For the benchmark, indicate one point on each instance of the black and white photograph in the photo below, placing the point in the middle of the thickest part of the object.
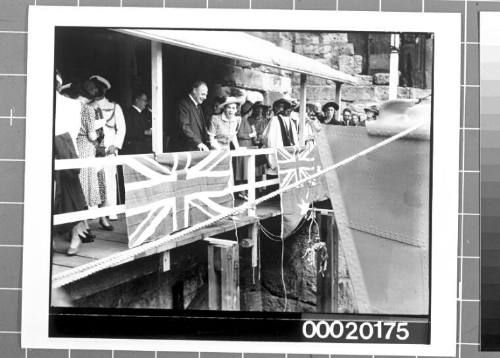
(233, 183)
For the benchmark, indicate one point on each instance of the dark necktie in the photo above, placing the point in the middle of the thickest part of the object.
(290, 133)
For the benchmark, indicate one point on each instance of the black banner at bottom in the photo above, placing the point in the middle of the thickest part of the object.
(241, 326)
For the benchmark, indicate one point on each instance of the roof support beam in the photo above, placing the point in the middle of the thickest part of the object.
(302, 120)
(157, 95)
(394, 67)
(338, 99)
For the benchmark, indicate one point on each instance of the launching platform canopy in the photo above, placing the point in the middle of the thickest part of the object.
(243, 46)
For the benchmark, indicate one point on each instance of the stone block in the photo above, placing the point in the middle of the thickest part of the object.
(335, 37)
(343, 49)
(256, 80)
(381, 93)
(358, 64)
(381, 79)
(220, 90)
(307, 38)
(357, 93)
(365, 80)
(419, 92)
(306, 49)
(350, 64)
(316, 93)
(403, 92)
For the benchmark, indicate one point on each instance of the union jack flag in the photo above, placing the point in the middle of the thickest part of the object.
(174, 191)
(295, 164)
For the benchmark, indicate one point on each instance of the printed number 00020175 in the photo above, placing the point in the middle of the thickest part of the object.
(341, 330)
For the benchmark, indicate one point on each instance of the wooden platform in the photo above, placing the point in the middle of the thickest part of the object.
(108, 243)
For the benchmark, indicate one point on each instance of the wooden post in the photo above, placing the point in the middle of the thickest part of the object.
(157, 96)
(213, 278)
(302, 121)
(165, 261)
(251, 183)
(223, 275)
(327, 280)
(394, 67)
(338, 99)
(255, 236)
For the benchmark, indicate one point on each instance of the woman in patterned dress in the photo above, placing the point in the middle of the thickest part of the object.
(86, 142)
(224, 126)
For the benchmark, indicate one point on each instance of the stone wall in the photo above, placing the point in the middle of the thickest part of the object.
(333, 49)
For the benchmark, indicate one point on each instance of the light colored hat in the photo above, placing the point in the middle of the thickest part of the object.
(231, 100)
(59, 78)
(102, 80)
(66, 86)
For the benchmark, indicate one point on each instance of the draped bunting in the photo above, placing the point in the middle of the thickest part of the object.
(174, 191)
(296, 164)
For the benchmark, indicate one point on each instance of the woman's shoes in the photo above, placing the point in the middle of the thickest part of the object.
(86, 237)
(74, 245)
(107, 227)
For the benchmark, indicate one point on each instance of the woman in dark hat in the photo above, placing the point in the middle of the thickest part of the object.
(329, 110)
(371, 113)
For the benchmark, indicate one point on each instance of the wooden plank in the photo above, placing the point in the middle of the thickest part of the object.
(111, 277)
(56, 269)
(104, 248)
(165, 261)
(62, 259)
(157, 96)
(255, 237)
(213, 282)
(333, 252)
(236, 277)
(324, 278)
(327, 281)
(251, 183)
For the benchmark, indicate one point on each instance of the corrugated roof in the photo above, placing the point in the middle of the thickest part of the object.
(243, 46)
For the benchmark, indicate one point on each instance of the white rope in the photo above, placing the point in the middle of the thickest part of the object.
(85, 270)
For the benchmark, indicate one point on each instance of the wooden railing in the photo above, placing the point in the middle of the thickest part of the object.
(251, 186)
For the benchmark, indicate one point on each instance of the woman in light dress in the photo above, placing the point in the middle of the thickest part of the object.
(223, 128)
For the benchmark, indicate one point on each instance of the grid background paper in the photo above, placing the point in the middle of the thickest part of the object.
(13, 49)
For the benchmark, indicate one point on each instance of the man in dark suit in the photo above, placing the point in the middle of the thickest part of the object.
(191, 119)
(138, 136)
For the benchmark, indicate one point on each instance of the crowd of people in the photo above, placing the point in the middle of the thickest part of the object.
(89, 125)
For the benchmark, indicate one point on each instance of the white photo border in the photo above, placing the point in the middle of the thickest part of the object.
(38, 169)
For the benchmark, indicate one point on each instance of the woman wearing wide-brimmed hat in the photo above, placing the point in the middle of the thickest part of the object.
(223, 127)
(114, 134)
(371, 112)
(281, 130)
(329, 110)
